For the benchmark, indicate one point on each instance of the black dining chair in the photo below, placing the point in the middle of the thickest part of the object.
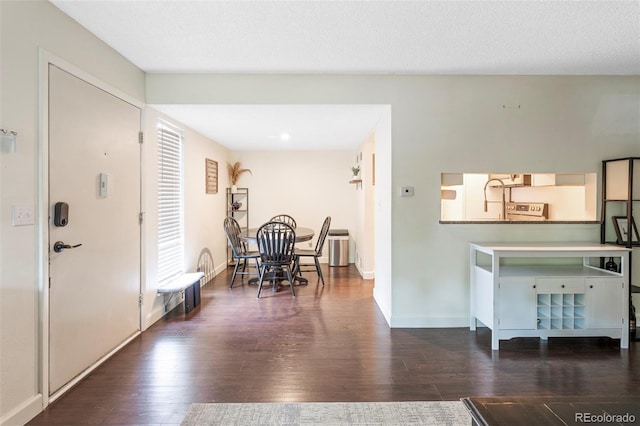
(285, 218)
(240, 250)
(316, 254)
(276, 241)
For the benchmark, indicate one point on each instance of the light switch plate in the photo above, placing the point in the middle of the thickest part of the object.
(22, 215)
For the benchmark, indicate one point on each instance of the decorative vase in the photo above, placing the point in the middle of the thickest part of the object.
(234, 189)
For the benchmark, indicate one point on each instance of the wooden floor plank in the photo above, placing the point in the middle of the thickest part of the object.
(327, 344)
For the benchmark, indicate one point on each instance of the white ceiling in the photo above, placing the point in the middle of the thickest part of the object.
(280, 127)
(328, 36)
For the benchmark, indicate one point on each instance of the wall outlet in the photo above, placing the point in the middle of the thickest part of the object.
(22, 215)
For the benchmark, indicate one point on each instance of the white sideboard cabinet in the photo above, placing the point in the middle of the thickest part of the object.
(548, 290)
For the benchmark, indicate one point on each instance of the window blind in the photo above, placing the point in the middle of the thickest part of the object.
(170, 203)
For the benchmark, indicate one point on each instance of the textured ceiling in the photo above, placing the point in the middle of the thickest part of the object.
(433, 37)
(404, 37)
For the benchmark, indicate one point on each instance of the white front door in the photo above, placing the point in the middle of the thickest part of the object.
(94, 167)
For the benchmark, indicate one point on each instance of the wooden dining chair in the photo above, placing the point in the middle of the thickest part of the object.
(316, 254)
(276, 241)
(240, 250)
(285, 218)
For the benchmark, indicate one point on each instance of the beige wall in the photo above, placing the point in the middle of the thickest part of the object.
(443, 124)
(26, 27)
(308, 185)
(437, 124)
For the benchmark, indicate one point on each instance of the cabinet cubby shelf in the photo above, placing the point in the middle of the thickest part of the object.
(565, 312)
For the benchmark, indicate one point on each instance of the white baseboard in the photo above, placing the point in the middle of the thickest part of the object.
(385, 309)
(428, 322)
(156, 314)
(366, 275)
(219, 269)
(23, 412)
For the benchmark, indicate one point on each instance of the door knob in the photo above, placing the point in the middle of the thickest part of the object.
(59, 246)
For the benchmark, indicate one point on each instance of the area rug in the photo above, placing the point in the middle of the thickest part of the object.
(436, 413)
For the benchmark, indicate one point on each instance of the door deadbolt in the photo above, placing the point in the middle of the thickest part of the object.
(61, 214)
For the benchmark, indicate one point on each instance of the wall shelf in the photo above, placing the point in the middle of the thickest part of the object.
(355, 181)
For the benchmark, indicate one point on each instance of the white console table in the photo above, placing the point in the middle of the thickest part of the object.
(549, 290)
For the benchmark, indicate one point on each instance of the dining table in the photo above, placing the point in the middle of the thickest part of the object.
(302, 234)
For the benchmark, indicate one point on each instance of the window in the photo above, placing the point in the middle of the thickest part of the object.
(170, 202)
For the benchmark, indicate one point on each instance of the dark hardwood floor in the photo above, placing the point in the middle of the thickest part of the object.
(327, 344)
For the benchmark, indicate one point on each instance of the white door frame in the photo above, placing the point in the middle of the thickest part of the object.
(42, 215)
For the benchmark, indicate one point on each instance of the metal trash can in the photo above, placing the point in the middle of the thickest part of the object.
(338, 247)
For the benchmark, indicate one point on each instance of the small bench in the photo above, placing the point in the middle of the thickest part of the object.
(190, 284)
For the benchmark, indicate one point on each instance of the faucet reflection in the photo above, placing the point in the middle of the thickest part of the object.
(503, 202)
